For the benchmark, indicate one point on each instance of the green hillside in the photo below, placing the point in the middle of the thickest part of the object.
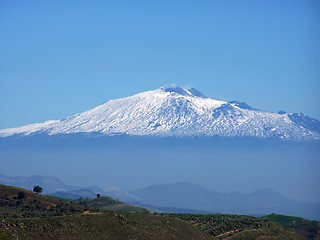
(21, 203)
(107, 225)
(34, 216)
(228, 226)
(306, 228)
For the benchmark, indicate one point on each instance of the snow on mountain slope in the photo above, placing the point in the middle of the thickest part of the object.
(174, 111)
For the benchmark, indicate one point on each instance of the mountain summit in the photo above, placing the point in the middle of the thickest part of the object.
(185, 92)
(176, 111)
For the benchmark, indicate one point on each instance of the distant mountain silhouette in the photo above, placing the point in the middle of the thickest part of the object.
(181, 197)
(191, 196)
(55, 187)
(49, 184)
(75, 194)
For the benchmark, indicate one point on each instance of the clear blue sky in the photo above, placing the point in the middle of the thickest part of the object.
(58, 58)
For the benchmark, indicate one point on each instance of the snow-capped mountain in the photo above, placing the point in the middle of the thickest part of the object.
(175, 111)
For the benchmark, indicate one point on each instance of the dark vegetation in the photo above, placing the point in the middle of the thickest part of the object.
(37, 189)
(28, 215)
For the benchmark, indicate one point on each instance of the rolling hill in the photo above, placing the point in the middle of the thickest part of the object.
(306, 228)
(35, 216)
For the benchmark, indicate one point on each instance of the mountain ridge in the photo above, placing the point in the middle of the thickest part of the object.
(193, 196)
(176, 111)
(181, 195)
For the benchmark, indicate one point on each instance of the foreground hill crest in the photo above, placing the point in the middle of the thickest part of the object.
(176, 111)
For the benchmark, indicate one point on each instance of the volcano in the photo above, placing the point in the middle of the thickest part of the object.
(178, 112)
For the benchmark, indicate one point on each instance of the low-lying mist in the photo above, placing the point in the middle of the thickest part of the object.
(129, 163)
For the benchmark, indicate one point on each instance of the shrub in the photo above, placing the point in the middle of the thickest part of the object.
(21, 195)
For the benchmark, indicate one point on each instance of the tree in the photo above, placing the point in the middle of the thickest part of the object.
(37, 189)
(98, 195)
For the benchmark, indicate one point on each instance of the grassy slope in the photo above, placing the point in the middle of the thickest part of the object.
(103, 226)
(227, 226)
(33, 204)
(42, 217)
(306, 228)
